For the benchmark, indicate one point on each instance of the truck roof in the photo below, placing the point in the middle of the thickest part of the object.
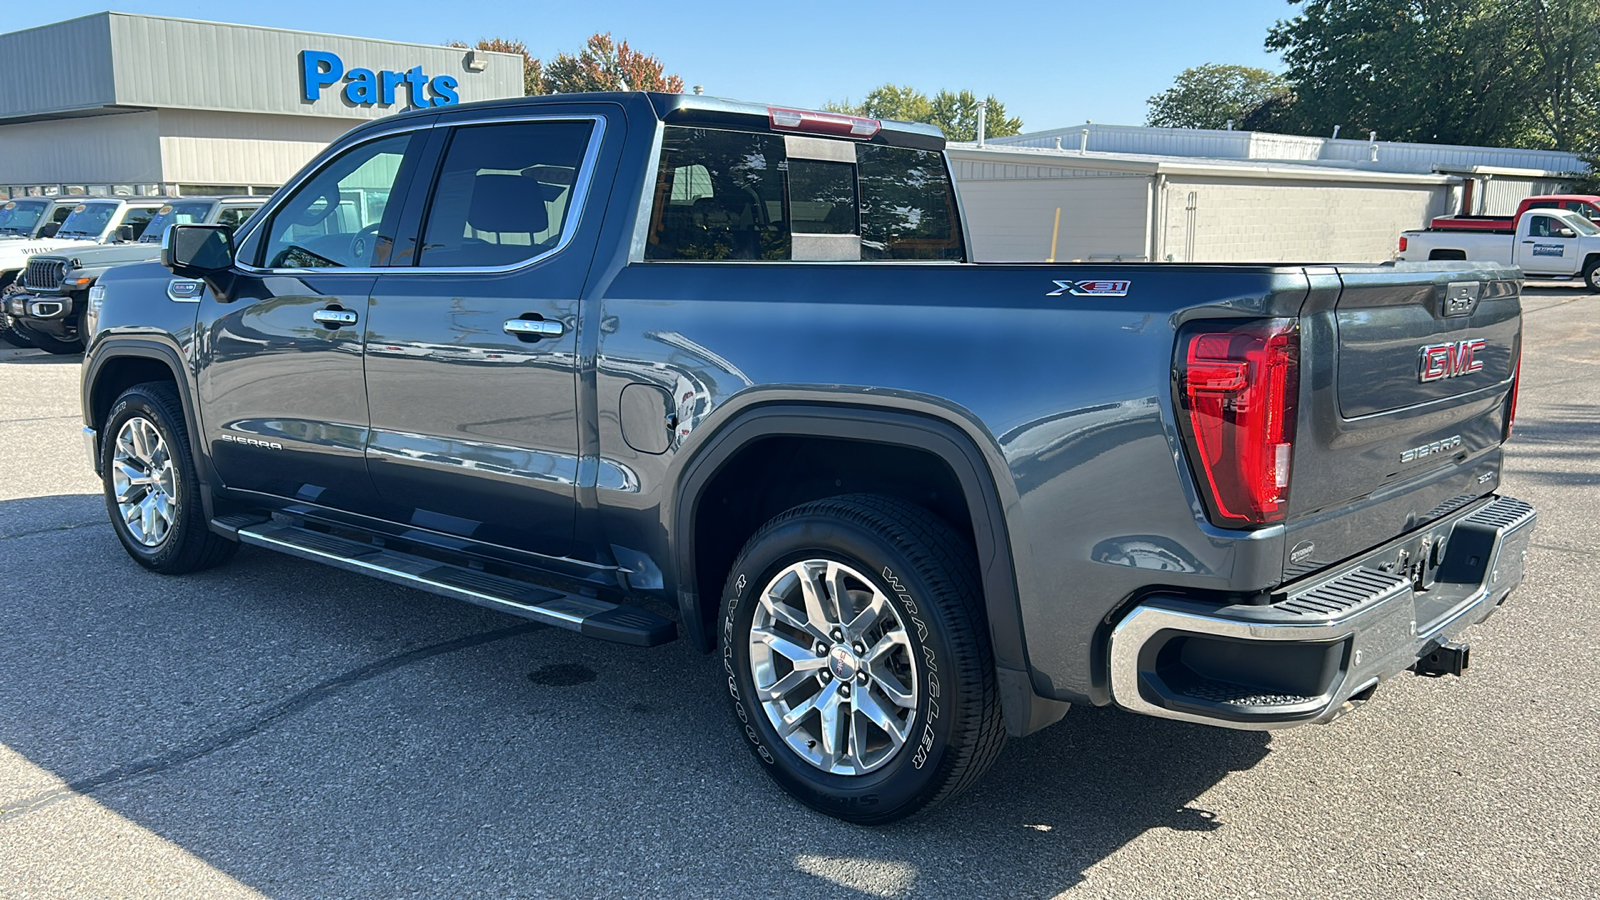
(698, 109)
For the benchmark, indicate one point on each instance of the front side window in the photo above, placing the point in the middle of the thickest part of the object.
(87, 220)
(337, 218)
(729, 195)
(504, 193)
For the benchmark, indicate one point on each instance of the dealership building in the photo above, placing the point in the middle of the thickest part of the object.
(1125, 193)
(113, 103)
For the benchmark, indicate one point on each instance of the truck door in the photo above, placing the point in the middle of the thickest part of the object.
(472, 352)
(1547, 245)
(282, 391)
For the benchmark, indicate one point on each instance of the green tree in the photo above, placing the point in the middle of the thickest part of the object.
(1452, 71)
(605, 65)
(532, 69)
(1212, 95)
(1565, 83)
(907, 104)
(956, 114)
(953, 112)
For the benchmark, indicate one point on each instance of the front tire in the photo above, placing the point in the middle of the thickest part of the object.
(858, 658)
(47, 342)
(8, 326)
(1591, 275)
(152, 489)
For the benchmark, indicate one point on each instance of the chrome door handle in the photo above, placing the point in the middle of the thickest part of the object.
(333, 318)
(533, 329)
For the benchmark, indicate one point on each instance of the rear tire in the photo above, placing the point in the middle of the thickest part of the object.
(904, 664)
(152, 489)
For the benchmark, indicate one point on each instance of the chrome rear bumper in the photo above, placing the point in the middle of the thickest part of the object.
(1326, 641)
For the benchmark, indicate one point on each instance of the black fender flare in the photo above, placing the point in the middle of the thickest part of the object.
(1025, 710)
(112, 347)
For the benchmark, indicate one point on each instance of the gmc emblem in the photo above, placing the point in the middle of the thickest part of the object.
(1450, 360)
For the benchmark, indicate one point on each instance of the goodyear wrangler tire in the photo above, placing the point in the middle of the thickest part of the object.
(152, 490)
(858, 659)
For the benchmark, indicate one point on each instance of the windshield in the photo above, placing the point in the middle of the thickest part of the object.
(174, 214)
(87, 220)
(19, 216)
(1584, 226)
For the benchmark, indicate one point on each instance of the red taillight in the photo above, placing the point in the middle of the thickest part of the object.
(1237, 391)
(835, 124)
(1402, 243)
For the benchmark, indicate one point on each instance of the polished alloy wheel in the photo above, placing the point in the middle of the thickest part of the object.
(833, 667)
(145, 482)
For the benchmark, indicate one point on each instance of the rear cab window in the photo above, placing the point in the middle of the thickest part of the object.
(724, 194)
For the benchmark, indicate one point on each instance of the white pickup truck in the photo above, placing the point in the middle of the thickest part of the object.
(1548, 242)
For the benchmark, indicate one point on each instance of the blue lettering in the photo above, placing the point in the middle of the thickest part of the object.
(363, 87)
(390, 81)
(418, 81)
(314, 77)
(444, 90)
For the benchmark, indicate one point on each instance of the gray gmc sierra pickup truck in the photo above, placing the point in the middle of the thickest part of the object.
(640, 365)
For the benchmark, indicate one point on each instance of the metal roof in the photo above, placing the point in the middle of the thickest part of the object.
(1377, 156)
(1152, 164)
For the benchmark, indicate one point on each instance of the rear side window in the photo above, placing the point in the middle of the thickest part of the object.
(504, 193)
(908, 209)
(733, 195)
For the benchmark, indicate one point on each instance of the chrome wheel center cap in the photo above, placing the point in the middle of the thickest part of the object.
(842, 662)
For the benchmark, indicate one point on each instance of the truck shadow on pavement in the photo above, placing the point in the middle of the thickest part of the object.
(313, 733)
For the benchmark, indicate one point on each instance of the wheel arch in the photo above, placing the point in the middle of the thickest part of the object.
(117, 364)
(951, 442)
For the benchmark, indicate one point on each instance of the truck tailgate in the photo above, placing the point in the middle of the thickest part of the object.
(1406, 377)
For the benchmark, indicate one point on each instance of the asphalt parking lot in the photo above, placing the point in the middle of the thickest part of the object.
(279, 728)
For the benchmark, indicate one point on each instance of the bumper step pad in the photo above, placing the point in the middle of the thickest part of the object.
(1327, 640)
(586, 615)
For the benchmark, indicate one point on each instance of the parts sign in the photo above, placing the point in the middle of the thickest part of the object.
(364, 87)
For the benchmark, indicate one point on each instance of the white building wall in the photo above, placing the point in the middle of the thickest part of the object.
(240, 148)
(1010, 220)
(92, 150)
(1262, 221)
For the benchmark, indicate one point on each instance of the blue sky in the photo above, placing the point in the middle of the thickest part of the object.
(1054, 64)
